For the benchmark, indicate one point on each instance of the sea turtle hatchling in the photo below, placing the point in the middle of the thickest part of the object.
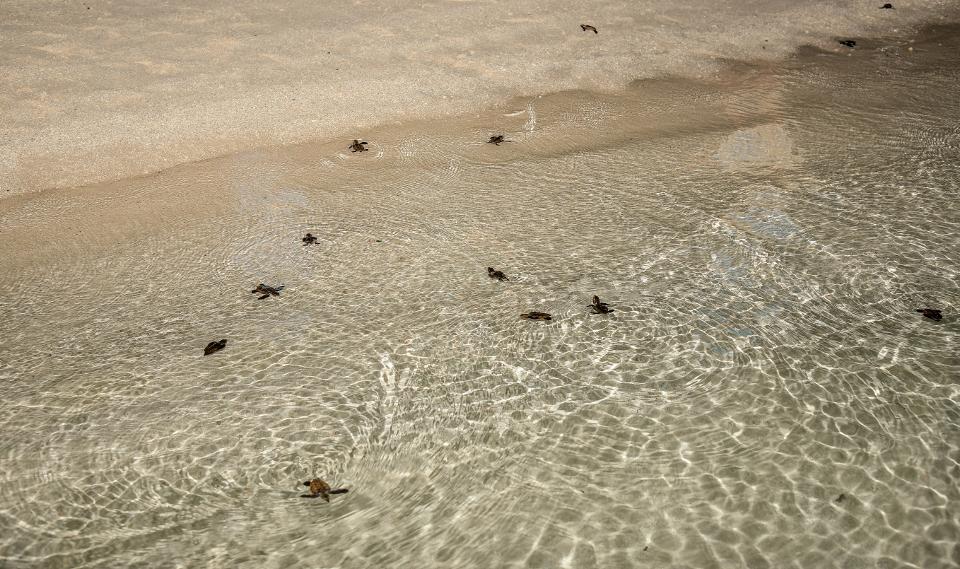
(495, 274)
(320, 489)
(358, 146)
(309, 239)
(497, 139)
(214, 347)
(536, 316)
(266, 291)
(931, 313)
(600, 307)
(588, 28)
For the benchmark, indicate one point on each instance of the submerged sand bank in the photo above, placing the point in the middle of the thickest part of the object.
(97, 91)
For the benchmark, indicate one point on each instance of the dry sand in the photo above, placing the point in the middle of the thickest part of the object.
(101, 90)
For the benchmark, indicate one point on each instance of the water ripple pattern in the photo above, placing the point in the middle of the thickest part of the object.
(763, 394)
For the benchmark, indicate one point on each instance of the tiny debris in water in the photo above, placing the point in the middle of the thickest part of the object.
(589, 28)
(841, 498)
(213, 347)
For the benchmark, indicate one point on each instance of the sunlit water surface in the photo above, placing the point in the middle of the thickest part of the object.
(764, 357)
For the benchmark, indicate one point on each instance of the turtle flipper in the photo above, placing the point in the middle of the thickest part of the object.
(310, 496)
(264, 296)
(326, 497)
(339, 491)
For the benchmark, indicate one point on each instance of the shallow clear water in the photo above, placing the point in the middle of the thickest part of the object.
(764, 261)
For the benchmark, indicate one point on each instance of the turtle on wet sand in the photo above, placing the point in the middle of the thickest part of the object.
(320, 489)
(536, 316)
(213, 347)
(497, 139)
(931, 313)
(600, 307)
(887, 7)
(588, 28)
(848, 43)
(266, 291)
(358, 146)
(309, 239)
(495, 274)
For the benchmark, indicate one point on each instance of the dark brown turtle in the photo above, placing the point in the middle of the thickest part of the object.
(589, 28)
(887, 7)
(536, 316)
(320, 489)
(600, 307)
(309, 239)
(931, 313)
(213, 347)
(494, 274)
(848, 43)
(358, 146)
(497, 139)
(266, 291)
(841, 498)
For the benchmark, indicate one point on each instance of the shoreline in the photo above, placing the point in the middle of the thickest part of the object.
(103, 215)
(30, 165)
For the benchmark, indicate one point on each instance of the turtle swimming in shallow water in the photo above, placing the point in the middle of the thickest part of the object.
(320, 489)
(358, 146)
(931, 313)
(887, 7)
(848, 43)
(497, 139)
(494, 274)
(214, 347)
(600, 307)
(309, 239)
(588, 28)
(266, 291)
(536, 316)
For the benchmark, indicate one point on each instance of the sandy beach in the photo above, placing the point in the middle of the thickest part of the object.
(97, 91)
